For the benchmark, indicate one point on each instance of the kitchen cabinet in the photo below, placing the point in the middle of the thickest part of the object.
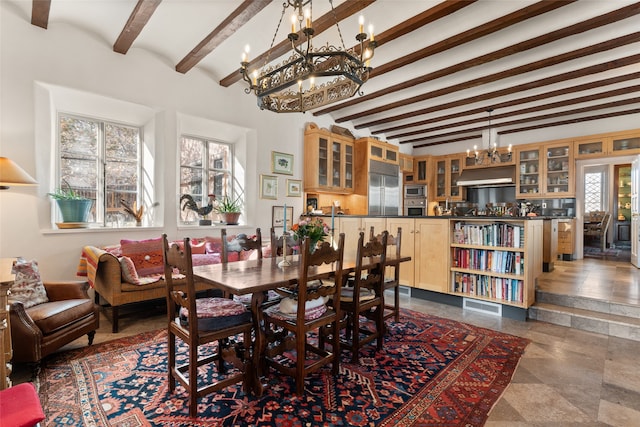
(406, 163)
(352, 226)
(622, 202)
(545, 171)
(380, 150)
(426, 241)
(496, 261)
(614, 144)
(447, 171)
(329, 161)
(419, 174)
(566, 236)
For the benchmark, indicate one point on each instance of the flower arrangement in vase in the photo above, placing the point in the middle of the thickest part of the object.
(314, 228)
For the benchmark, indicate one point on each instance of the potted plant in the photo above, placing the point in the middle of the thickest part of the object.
(229, 209)
(73, 207)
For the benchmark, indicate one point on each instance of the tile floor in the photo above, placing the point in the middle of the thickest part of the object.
(566, 377)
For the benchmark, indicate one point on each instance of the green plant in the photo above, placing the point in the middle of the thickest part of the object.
(228, 205)
(66, 193)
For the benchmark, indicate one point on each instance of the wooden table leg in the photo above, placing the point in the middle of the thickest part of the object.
(257, 299)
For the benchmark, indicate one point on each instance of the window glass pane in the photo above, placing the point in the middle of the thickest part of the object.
(206, 168)
(78, 137)
(593, 191)
(121, 142)
(191, 152)
(101, 161)
(219, 156)
(191, 181)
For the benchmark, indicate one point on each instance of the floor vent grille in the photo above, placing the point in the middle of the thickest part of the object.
(482, 306)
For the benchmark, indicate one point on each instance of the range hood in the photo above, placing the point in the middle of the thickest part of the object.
(490, 176)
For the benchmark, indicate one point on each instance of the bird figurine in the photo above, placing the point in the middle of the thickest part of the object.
(191, 204)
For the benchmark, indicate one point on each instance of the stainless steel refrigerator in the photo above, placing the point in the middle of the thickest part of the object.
(384, 188)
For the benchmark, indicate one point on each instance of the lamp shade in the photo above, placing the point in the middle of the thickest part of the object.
(13, 175)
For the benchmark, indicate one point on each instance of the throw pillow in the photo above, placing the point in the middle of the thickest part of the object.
(146, 255)
(213, 245)
(27, 286)
(130, 275)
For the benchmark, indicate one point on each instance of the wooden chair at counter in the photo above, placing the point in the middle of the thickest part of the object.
(198, 321)
(363, 298)
(597, 227)
(290, 329)
(392, 274)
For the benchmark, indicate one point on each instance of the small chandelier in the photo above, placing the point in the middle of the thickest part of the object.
(490, 154)
(310, 78)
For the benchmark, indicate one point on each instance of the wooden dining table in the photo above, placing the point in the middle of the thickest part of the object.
(257, 278)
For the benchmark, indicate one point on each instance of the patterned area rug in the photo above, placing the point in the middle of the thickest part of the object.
(432, 371)
(590, 251)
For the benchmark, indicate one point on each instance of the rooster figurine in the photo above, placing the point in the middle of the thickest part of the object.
(191, 204)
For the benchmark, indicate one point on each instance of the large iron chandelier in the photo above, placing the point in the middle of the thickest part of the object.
(310, 78)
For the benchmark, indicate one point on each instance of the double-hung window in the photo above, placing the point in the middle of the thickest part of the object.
(206, 174)
(101, 160)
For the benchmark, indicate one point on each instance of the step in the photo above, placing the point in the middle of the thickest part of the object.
(587, 320)
(587, 303)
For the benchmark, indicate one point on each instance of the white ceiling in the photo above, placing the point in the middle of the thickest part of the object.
(177, 26)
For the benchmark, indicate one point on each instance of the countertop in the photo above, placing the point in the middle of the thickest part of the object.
(479, 217)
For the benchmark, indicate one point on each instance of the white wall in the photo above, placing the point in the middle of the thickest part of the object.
(34, 60)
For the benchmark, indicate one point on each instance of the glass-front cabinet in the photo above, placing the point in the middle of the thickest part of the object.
(559, 170)
(618, 144)
(447, 173)
(529, 173)
(329, 161)
(545, 170)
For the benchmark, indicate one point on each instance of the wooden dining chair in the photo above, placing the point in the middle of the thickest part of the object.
(240, 243)
(277, 244)
(199, 321)
(392, 273)
(290, 328)
(363, 297)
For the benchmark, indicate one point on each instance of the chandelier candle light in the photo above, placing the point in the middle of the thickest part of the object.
(304, 80)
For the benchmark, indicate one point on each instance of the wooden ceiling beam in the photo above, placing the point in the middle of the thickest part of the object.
(40, 13)
(532, 66)
(587, 71)
(470, 35)
(321, 24)
(571, 30)
(137, 20)
(239, 17)
(612, 104)
(540, 126)
(533, 98)
(443, 45)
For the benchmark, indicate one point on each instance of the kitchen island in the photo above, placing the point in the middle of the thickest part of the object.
(495, 273)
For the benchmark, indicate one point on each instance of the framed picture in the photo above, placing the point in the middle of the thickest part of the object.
(281, 163)
(277, 217)
(294, 187)
(268, 186)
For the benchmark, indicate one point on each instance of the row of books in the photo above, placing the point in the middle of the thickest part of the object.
(496, 234)
(489, 260)
(489, 287)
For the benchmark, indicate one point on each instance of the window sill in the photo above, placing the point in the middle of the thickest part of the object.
(97, 230)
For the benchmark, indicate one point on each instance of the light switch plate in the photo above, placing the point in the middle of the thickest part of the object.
(544, 206)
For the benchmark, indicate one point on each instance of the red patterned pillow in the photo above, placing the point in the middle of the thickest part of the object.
(213, 245)
(146, 255)
(27, 286)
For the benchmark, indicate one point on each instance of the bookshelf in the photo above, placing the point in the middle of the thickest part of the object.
(496, 260)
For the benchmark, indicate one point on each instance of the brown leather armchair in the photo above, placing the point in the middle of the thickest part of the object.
(38, 331)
